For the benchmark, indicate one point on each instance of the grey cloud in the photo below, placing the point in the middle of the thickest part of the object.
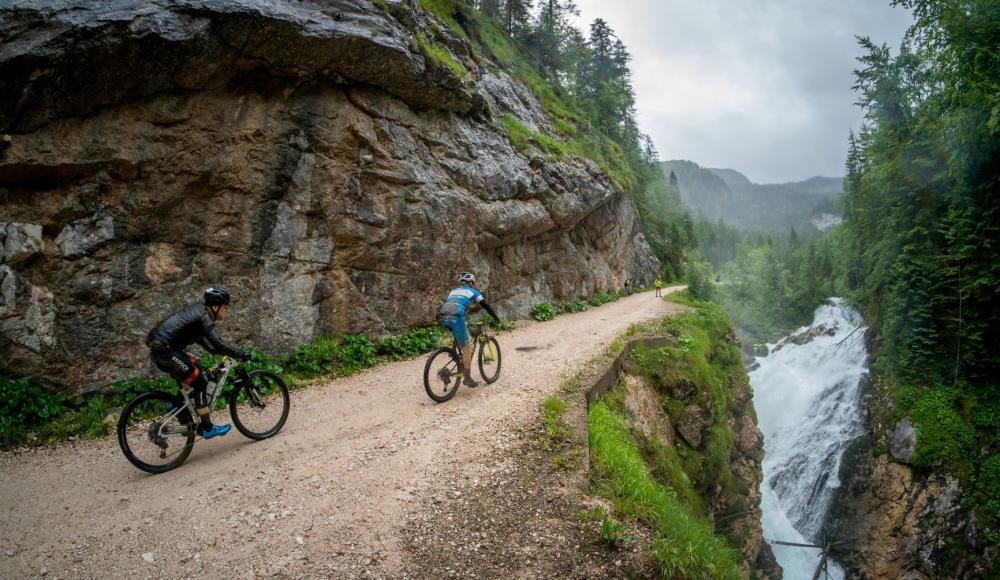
(768, 82)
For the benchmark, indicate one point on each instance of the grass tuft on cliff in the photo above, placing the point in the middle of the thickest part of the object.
(685, 546)
(438, 55)
(664, 483)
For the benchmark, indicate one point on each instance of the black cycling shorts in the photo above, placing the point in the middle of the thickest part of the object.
(179, 365)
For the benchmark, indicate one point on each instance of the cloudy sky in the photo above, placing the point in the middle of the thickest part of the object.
(760, 86)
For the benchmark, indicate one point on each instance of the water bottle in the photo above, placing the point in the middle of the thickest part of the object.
(211, 388)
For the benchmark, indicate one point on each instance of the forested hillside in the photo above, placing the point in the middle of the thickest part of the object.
(916, 253)
(921, 231)
(729, 196)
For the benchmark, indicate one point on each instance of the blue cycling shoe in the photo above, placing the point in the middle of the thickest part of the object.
(215, 431)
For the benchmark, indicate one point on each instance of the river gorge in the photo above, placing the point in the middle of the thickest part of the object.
(806, 396)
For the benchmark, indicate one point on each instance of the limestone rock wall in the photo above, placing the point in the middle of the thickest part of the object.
(304, 155)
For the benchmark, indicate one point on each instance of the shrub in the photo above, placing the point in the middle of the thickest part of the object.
(485, 320)
(542, 312)
(413, 342)
(23, 405)
(989, 486)
(942, 435)
(315, 358)
(699, 278)
(357, 352)
(575, 305)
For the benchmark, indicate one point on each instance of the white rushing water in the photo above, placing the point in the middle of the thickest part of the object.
(806, 396)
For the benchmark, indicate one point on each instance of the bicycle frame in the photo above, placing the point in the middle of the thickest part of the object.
(226, 364)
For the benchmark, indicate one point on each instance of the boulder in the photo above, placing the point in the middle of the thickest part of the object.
(18, 242)
(83, 237)
(694, 425)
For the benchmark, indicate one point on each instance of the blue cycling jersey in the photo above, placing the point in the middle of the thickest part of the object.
(458, 301)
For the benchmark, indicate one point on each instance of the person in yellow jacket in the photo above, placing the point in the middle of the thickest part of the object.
(659, 286)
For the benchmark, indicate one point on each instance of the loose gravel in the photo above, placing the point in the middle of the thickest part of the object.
(355, 486)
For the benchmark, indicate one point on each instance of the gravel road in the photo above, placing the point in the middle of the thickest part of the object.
(327, 496)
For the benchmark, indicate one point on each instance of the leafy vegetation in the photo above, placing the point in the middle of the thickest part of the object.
(411, 343)
(29, 413)
(599, 299)
(542, 312)
(438, 55)
(921, 224)
(574, 305)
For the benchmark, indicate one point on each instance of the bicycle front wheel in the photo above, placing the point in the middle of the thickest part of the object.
(489, 359)
(259, 406)
(151, 436)
(442, 374)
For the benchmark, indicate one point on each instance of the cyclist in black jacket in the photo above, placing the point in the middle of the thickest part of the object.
(195, 323)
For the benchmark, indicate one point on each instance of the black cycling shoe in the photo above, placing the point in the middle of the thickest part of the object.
(470, 382)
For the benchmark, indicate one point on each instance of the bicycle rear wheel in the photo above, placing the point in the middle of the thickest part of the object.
(152, 439)
(442, 374)
(259, 406)
(489, 359)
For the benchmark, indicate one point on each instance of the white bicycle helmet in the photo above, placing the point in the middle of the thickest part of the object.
(467, 278)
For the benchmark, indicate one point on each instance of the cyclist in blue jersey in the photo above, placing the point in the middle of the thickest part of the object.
(452, 315)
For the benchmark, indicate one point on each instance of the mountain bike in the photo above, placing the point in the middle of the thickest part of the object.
(157, 430)
(443, 372)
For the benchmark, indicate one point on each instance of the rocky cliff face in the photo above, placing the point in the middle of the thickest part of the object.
(308, 156)
(736, 512)
(719, 443)
(892, 520)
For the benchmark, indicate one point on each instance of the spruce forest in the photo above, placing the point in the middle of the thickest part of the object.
(916, 252)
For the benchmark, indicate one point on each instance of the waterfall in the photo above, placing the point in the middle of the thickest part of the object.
(806, 397)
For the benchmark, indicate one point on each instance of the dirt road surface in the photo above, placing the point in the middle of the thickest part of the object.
(325, 497)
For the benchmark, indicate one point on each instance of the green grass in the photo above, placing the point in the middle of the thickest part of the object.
(556, 431)
(522, 136)
(438, 54)
(685, 546)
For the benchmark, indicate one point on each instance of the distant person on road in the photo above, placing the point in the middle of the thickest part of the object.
(452, 315)
(195, 323)
(628, 286)
(659, 286)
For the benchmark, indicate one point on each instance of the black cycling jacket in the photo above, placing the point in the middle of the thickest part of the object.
(187, 326)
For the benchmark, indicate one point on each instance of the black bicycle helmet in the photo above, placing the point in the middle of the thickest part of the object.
(216, 297)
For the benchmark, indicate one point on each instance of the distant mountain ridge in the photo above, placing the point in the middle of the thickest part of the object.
(727, 194)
